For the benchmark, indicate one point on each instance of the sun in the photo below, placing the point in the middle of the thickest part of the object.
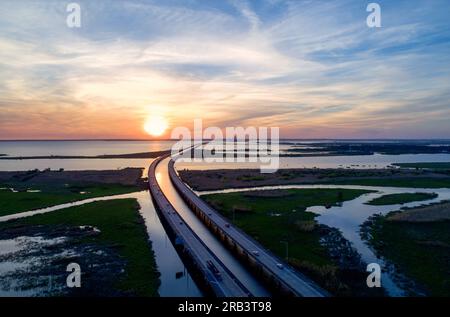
(155, 125)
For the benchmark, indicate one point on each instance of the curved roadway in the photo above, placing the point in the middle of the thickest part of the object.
(215, 274)
(184, 213)
(298, 283)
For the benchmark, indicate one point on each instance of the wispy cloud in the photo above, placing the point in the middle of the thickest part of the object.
(311, 67)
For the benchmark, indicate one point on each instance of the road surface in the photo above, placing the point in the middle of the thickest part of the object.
(213, 243)
(298, 283)
(220, 279)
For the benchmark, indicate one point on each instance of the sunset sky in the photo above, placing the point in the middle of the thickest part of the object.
(313, 68)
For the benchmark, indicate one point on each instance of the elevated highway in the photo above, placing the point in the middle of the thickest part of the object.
(208, 270)
(276, 274)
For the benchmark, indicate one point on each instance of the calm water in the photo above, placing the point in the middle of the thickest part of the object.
(33, 148)
(73, 164)
(81, 148)
(348, 218)
(355, 161)
(166, 257)
(205, 234)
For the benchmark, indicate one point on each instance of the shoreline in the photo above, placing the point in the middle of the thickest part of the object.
(205, 180)
(129, 176)
(142, 155)
(317, 250)
(22, 191)
(89, 232)
(413, 241)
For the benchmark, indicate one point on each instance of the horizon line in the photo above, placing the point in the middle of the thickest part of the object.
(281, 139)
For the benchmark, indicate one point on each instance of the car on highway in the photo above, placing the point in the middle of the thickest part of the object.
(213, 269)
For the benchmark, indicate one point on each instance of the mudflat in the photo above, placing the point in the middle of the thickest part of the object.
(431, 213)
(241, 178)
(126, 176)
(106, 156)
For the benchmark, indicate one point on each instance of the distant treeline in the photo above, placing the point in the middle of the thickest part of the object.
(368, 148)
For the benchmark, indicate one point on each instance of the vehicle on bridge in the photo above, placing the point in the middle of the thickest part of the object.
(214, 269)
